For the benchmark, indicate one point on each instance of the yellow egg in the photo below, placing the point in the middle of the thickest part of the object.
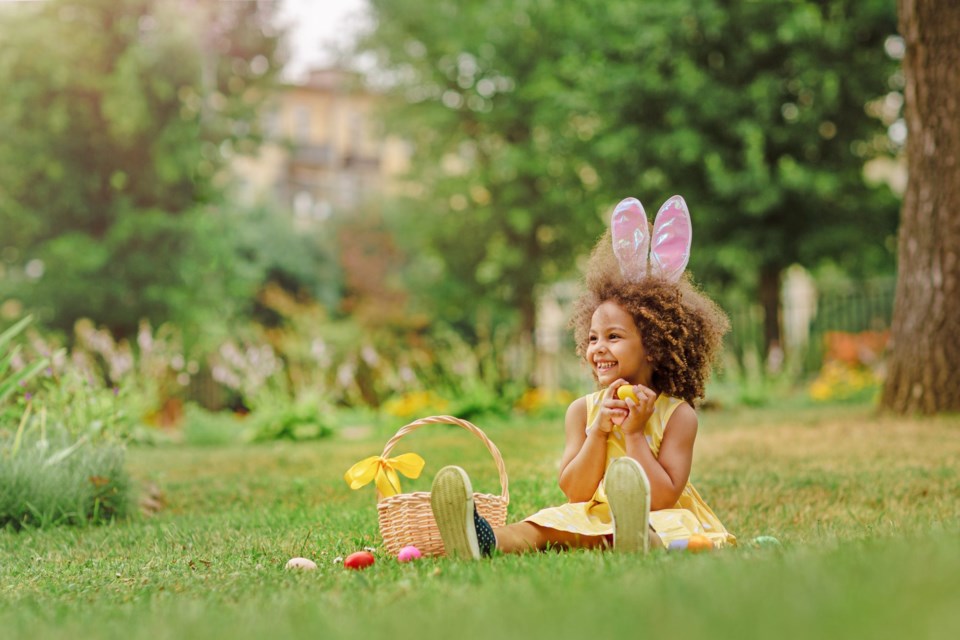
(626, 391)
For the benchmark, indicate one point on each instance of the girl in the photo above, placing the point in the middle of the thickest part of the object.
(649, 338)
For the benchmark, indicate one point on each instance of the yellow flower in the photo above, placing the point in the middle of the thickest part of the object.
(537, 398)
(416, 403)
(840, 381)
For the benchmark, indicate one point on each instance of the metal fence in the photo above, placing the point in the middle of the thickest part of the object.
(807, 325)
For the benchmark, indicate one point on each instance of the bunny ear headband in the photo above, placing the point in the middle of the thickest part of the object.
(669, 251)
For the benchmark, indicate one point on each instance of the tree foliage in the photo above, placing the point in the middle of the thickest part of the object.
(117, 119)
(531, 119)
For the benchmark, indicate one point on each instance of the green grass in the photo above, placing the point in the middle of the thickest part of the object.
(866, 507)
(87, 484)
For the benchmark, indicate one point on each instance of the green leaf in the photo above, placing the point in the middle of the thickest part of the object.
(13, 331)
(9, 385)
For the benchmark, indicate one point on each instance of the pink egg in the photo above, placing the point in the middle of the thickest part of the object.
(358, 560)
(409, 553)
(301, 563)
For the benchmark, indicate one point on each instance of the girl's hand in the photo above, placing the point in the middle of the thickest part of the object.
(639, 400)
(612, 410)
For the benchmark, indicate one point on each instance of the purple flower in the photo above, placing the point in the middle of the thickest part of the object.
(28, 396)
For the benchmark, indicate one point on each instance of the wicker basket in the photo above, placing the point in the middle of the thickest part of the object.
(407, 519)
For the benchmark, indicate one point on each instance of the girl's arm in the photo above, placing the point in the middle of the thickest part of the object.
(584, 456)
(669, 472)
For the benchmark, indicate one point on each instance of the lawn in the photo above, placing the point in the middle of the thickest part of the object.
(867, 509)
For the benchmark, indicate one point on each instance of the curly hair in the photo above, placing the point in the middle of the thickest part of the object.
(680, 327)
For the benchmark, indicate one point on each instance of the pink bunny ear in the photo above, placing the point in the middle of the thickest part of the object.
(631, 238)
(672, 233)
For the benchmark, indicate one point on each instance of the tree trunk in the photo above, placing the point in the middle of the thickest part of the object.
(924, 360)
(770, 301)
(527, 340)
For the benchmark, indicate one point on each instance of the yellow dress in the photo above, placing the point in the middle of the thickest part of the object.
(689, 516)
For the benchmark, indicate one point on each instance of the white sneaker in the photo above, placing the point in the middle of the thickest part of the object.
(451, 499)
(628, 493)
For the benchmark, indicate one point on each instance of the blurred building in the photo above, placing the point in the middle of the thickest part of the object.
(326, 149)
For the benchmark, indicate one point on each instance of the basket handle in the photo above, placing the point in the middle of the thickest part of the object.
(492, 448)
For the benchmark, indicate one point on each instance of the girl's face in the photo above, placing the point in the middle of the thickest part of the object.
(614, 349)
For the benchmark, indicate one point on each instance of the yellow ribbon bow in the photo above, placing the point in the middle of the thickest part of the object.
(385, 472)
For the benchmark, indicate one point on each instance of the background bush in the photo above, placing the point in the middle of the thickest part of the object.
(61, 441)
(59, 482)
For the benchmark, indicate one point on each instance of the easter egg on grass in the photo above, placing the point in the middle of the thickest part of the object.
(358, 560)
(625, 391)
(301, 563)
(678, 545)
(698, 543)
(695, 543)
(409, 553)
(765, 541)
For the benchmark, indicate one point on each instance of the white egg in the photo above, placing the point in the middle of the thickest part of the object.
(301, 563)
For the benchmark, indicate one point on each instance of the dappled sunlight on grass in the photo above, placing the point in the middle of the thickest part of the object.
(848, 476)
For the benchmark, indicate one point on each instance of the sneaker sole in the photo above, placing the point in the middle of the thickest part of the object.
(628, 492)
(451, 499)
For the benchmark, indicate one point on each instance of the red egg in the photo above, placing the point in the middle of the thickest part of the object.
(358, 560)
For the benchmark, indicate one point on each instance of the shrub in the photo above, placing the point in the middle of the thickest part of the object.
(61, 461)
(54, 480)
(308, 418)
(210, 428)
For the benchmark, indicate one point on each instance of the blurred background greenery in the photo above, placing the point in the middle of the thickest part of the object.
(217, 250)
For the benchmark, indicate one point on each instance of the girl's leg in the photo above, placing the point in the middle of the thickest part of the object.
(521, 537)
(467, 535)
(656, 542)
(628, 491)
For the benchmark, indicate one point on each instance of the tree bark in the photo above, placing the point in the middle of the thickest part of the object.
(770, 301)
(924, 359)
